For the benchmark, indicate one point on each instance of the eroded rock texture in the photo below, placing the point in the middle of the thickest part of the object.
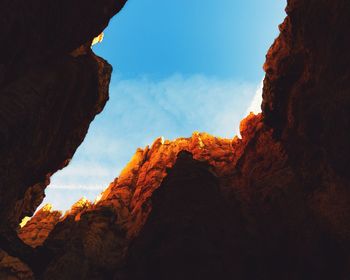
(200, 207)
(96, 236)
(35, 231)
(272, 205)
(306, 101)
(191, 232)
(51, 88)
(13, 268)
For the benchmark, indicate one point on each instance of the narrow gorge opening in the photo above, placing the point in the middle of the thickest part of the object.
(181, 67)
(273, 204)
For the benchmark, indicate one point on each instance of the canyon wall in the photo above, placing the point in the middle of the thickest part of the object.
(51, 88)
(272, 205)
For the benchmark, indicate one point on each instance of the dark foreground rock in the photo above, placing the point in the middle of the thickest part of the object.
(272, 205)
(51, 88)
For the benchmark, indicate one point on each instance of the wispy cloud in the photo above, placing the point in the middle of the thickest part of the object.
(178, 105)
(141, 110)
(84, 175)
(255, 105)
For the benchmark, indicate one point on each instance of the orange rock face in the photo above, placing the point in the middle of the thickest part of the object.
(130, 193)
(272, 205)
(123, 208)
(255, 190)
(104, 230)
(36, 230)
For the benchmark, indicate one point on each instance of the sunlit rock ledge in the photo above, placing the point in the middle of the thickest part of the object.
(130, 192)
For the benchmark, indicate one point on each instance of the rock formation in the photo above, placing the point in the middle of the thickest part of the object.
(272, 205)
(35, 231)
(51, 88)
(13, 268)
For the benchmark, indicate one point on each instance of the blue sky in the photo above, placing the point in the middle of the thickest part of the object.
(179, 66)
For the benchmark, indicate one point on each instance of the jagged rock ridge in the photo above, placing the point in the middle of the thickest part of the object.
(127, 201)
(51, 87)
(272, 205)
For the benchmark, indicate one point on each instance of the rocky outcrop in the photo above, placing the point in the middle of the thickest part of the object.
(49, 94)
(199, 207)
(191, 232)
(44, 29)
(13, 268)
(44, 126)
(263, 225)
(306, 94)
(105, 229)
(51, 88)
(306, 101)
(35, 231)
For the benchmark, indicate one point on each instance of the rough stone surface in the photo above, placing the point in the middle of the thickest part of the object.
(41, 29)
(306, 89)
(51, 88)
(191, 232)
(272, 205)
(236, 208)
(36, 230)
(306, 101)
(104, 229)
(48, 93)
(13, 269)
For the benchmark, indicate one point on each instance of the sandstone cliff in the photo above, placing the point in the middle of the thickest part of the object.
(51, 88)
(272, 205)
(35, 231)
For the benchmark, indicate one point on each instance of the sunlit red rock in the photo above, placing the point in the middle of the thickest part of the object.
(36, 230)
(272, 205)
(97, 39)
(129, 193)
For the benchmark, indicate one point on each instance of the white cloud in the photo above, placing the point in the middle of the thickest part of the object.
(84, 175)
(255, 105)
(141, 110)
(178, 105)
(77, 186)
